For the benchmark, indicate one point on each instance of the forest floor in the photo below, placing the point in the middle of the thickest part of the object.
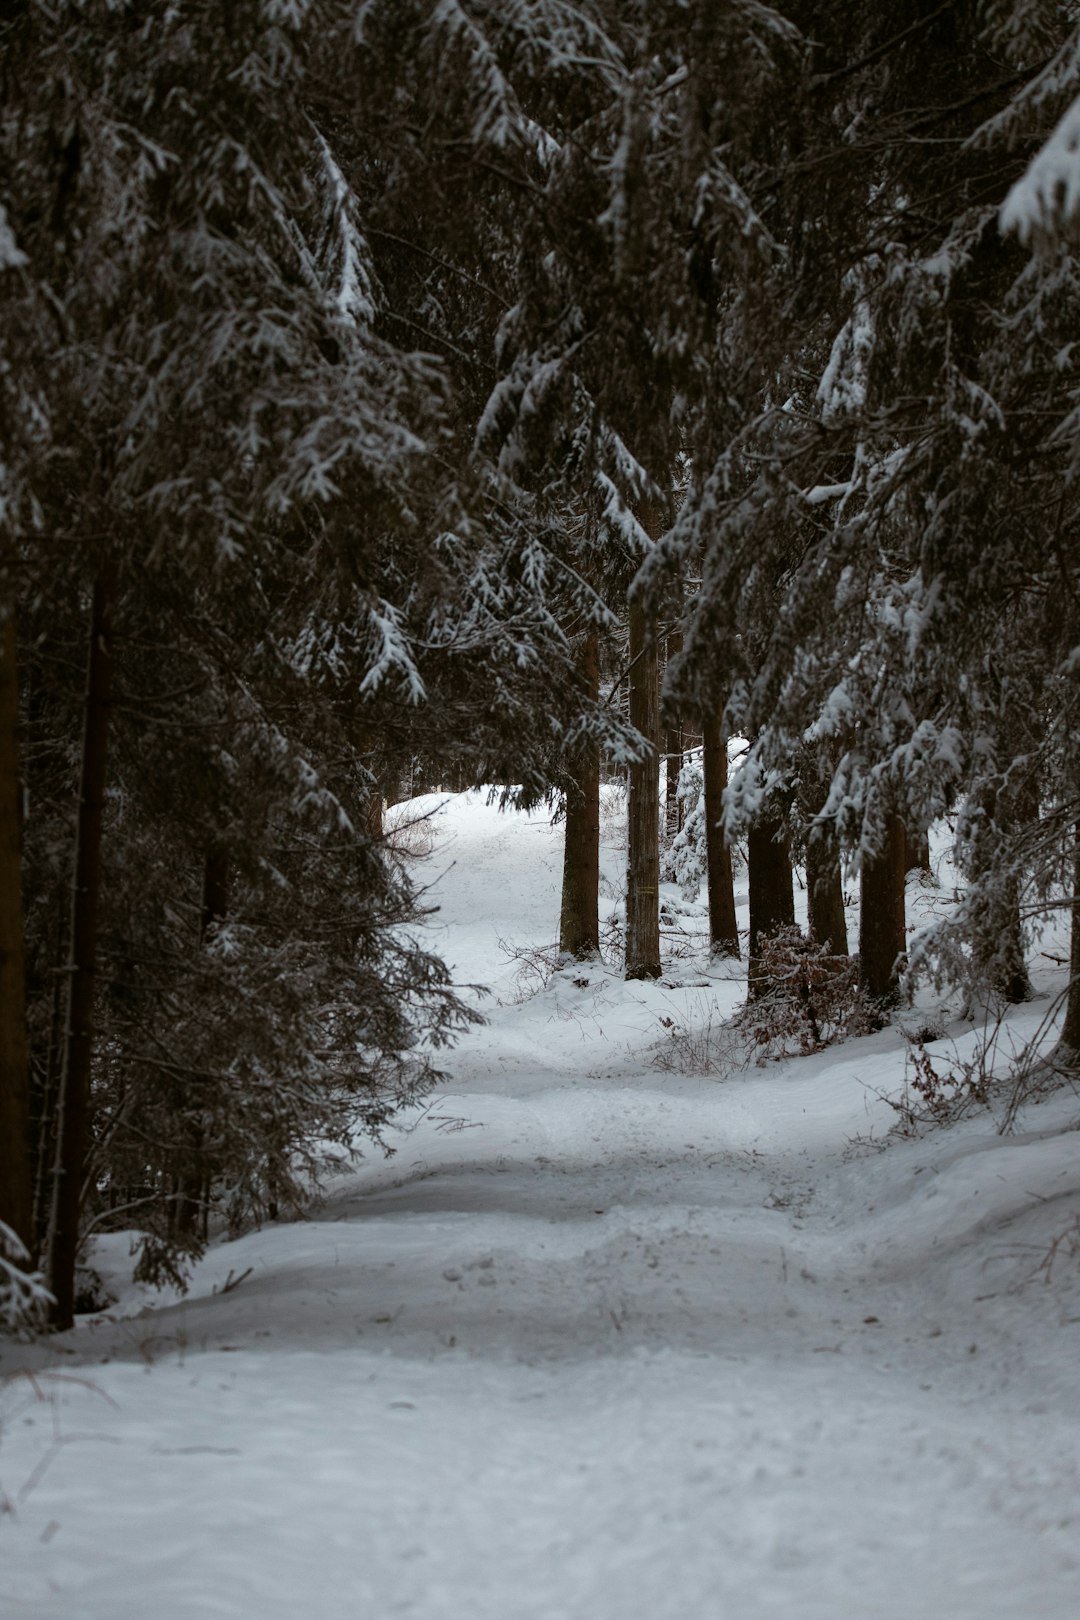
(608, 1337)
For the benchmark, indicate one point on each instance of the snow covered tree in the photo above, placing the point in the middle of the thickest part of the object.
(896, 458)
(223, 436)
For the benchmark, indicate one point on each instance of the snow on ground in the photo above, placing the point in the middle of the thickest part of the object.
(605, 1339)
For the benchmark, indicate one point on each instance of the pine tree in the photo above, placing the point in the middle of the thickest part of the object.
(15, 1178)
(222, 406)
(897, 462)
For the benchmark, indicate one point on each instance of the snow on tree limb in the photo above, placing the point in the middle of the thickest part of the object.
(393, 656)
(497, 112)
(11, 256)
(842, 388)
(355, 297)
(23, 1295)
(1043, 205)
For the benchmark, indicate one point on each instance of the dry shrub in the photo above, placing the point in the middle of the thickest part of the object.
(535, 967)
(410, 836)
(939, 1095)
(806, 998)
(715, 1047)
(1066, 1243)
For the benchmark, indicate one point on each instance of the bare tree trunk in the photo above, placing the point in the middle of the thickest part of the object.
(1000, 812)
(882, 925)
(723, 927)
(16, 1195)
(579, 919)
(73, 1103)
(1068, 1047)
(191, 1192)
(215, 893)
(772, 895)
(643, 847)
(45, 1085)
(827, 922)
(674, 745)
(1010, 974)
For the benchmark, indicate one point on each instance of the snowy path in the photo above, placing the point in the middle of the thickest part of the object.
(601, 1341)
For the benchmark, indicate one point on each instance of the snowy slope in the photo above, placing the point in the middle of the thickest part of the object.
(604, 1339)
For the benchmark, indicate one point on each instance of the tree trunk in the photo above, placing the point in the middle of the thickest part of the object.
(673, 756)
(999, 958)
(579, 918)
(45, 1084)
(1068, 1046)
(192, 1190)
(215, 894)
(73, 1103)
(1010, 975)
(826, 920)
(772, 895)
(16, 1198)
(723, 927)
(643, 845)
(882, 925)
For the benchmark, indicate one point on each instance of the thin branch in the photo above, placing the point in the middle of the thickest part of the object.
(446, 264)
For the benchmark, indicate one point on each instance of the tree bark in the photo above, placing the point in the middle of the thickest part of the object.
(674, 745)
(999, 955)
(826, 919)
(723, 927)
(1068, 1047)
(45, 1085)
(73, 1103)
(215, 893)
(191, 1193)
(882, 924)
(16, 1186)
(1010, 974)
(579, 917)
(643, 845)
(772, 895)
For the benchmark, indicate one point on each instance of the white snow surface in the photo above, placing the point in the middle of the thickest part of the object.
(603, 1339)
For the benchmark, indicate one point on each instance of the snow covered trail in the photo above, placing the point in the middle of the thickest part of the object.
(602, 1340)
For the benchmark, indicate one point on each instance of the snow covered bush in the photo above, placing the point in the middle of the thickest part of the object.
(684, 861)
(24, 1298)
